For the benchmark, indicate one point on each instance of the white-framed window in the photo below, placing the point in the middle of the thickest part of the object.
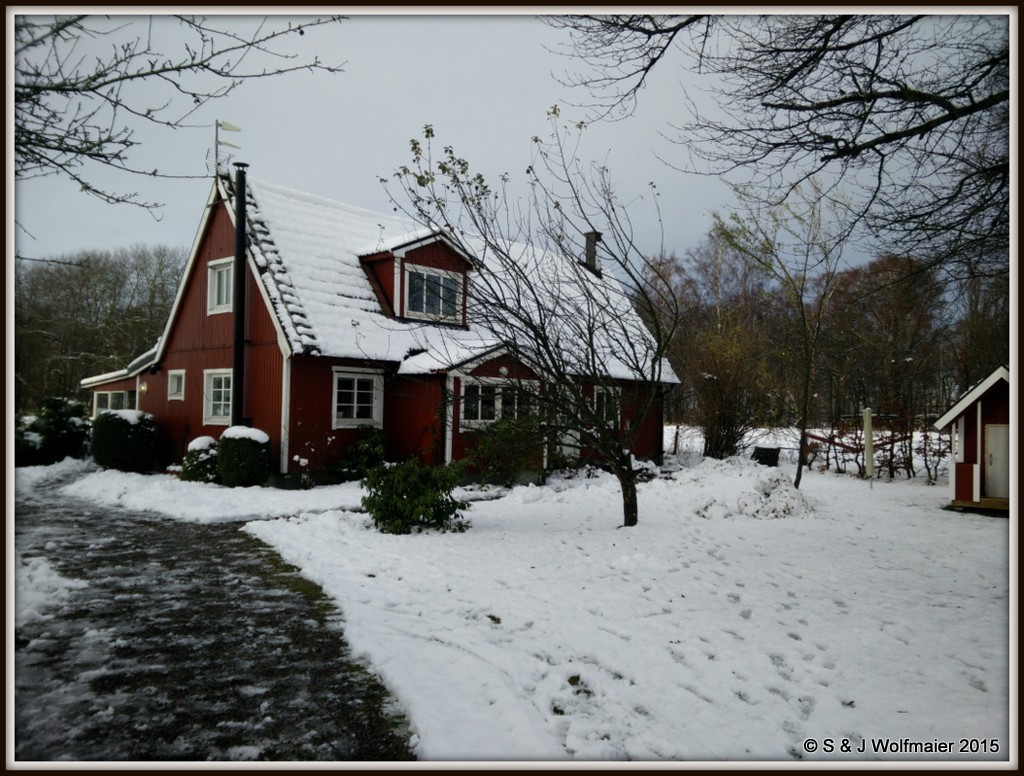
(606, 405)
(217, 397)
(485, 400)
(176, 385)
(358, 398)
(220, 283)
(113, 400)
(433, 294)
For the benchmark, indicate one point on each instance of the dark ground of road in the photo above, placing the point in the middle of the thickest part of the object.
(187, 642)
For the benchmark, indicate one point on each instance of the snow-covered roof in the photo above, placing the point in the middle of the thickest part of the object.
(971, 395)
(310, 248)
(139, 364)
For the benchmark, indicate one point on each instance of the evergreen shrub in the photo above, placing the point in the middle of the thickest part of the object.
(410, 497)
(507, 449)
(200, 463)
(125, 440)
(243, 457)
(59, 431)
(362, 456)
(26, 443)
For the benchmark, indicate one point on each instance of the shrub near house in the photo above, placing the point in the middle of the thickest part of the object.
(243, 457)
(125, 440)
(200, 463)
(59, 431)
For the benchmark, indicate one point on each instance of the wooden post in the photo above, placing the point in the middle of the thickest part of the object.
(869, 447)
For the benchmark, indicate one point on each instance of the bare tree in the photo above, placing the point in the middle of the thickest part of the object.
(910, 113)
(574, 324)
(728, 344)
(83, 84)
(801, 247)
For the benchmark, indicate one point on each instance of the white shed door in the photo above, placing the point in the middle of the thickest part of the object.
(997, 461)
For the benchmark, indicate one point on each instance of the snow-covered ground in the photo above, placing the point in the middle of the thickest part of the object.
(740, 620)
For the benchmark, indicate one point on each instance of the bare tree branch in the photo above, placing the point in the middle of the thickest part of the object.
(75, 109)
(910, 113)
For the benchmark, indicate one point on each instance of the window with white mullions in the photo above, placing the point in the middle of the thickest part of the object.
(487, 399)
(355, 399)
(433, 294)
(358, 398)
(606, 405)
(480, 403)
(515, 402)
(217, 397)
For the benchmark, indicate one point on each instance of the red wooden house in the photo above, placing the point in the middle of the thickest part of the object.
(979, 474)
(343, 318)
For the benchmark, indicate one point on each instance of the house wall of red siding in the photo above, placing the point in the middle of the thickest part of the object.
(127, 384)
(995, 410)
(970, 438)
(198, 341)
(995, 404)
(412, 410)
(413, 413)
(648, 436)
(964, 486)
(381, 271)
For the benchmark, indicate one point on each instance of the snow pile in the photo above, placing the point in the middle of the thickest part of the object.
(245, 432)
(768, 492)
(203, 502)
(201, 443)
(39, 589)
(27, 477)
(129, 416)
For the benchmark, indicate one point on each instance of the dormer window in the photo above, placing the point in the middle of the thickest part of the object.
(433, 294)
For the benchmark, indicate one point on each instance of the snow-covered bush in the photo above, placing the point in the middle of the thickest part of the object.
(200, 462)
(410, 497)
(125, 440)
(243, 457)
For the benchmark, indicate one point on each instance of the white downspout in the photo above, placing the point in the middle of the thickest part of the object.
(286, 383)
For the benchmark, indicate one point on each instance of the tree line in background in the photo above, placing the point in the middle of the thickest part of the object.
(87, 314)
(890, 334)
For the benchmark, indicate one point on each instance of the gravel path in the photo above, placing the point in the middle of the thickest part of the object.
(188, 642)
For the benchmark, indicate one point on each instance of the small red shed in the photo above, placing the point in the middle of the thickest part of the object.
(979, 473)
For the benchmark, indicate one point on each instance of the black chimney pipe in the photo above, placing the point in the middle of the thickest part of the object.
(590, 257)
(238, 300)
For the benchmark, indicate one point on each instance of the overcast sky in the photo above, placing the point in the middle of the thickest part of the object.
(485, 82)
